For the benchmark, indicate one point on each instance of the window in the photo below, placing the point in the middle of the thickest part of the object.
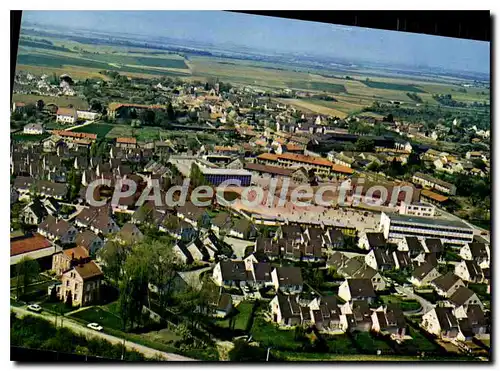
(75, 297)
(67, 283)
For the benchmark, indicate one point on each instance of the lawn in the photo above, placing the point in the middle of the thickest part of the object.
(405, 305)
(480, 289)
(142, 134)
(269, 335)
(240, 319)
(56, 307)
(63, 101)
(96, 128)
(340, 344)
(367, 343)
(418, 343)
(21, 137)
(103, 317)
(392, 86)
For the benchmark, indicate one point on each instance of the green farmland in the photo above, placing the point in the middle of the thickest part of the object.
(96, 128)
(317, 85)
(392, 86)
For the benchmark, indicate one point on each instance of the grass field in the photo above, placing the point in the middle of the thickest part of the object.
(58, 61)
(316, 107)
(269, 335)
(142, 134)
(392, 86)
(103, 317)
(96, 128)
(317, 86)
(64, 101)
(366, 343)
(166, 62)
(20, 137)
(241, 319)
(405, 305)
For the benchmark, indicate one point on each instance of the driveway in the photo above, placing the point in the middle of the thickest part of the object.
(408, 291)
(238, 246)
(80, 329)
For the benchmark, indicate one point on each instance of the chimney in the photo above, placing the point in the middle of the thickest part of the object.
(72, 256)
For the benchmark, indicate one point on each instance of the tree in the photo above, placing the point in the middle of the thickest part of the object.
(69, 300)
(74, 182)
(170, 112)
(134, 287)
(27, 271)
(364, 145)
(40, 104)
(53, 294)
(244, 352)
(113, 254)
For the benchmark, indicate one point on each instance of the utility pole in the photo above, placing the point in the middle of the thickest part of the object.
(123, 349)
(267, 357)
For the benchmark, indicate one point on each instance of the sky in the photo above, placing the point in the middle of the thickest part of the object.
(283, 35)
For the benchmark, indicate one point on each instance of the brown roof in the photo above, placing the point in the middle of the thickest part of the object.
(71, 134)
(306, 159)
(113, 106)
(433, 195)
(23, 246)
(76, 252)
(85, 238)
(269, 169)
(66, 111)
(88, 270)
(342, 169)
(126, 140)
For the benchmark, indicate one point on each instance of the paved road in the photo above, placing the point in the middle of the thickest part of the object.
(78, 328)
(238, 246)
(408, 291)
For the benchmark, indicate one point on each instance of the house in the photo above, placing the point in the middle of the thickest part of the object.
(126, 142)
(461, 299)
(326, 316)
(337, 260)
(285, 310)
(57, 230)
(66, 115)
(333, 239)
(224, 305)
(90, 241)
(220, 223)
(130, 234)
(357, 289)
(243, 228)
(231, 273)
(34, 213)
(390, 320)
(434, 246)
(193, 214)
(447, 284)
(262, 274)
(366, 272)
(476, 323)
(267, 247)
(477, 251)
(181, 253)
(177, 227)
(469, 271)
(97, 219)
(33, 246)
(287, 279)
(434, 183)
(424, 275)
(289, 232)
(380, 259)
(371, 240)
(413, 246)
(359, 316)
(33, 129)
(67, 259)
(83, 283)
(402, 260)
(441, 321)
(351, 266)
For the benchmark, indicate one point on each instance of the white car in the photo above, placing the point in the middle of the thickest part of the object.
(35, 308)
(94, 326)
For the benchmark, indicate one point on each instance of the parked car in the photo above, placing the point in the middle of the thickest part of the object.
(94, 326)
(35, 308)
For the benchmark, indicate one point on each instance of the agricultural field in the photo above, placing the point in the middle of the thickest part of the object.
(392, 86)
(315, 106)
(142, 134)
(317, 86)
(62, 101)
(100, 129)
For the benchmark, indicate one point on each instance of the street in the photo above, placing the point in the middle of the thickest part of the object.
(80, 329)
(408, 291)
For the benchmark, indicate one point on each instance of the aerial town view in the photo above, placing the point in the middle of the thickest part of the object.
(219, 186)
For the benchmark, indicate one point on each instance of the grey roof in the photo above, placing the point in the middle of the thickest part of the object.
(289, 305)
(478, 250)
(474, 269)
(233, 270)
(433, 179)
(289, 276)
(262, 272)
(375, 239)
(337, 260)
(383, 257)
(422, 271)
(361, 288)
(446, 319)
(427, 221)
(446, 281)
(434, 245)
(460, 296)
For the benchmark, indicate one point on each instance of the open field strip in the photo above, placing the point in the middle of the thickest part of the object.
(316, 108)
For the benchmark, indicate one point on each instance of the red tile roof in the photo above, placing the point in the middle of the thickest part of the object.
(126, 140)
(37, 242)
(71, 134)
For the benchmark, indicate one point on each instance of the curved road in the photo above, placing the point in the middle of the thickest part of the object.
(426, 305)
(78, 328)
